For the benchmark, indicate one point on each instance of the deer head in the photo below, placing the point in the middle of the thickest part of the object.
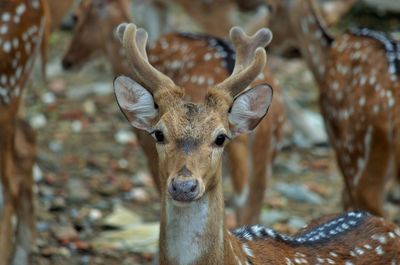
(95, 22)
(190, 138)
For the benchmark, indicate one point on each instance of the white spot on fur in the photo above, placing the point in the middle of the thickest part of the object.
(3, 29)
(6, 17)
(20, 9)
(7, 46)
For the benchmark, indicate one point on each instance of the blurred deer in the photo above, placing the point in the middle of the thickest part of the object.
(213, 17)
(190, 139)
(195, 62)
(22, 27)
(57, 11)
(331, 11)
(358, 76)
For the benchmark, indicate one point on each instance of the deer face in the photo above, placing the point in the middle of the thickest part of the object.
(190, 138)
(96, 20)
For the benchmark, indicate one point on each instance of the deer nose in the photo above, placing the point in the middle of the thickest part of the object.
(183, 190)
(66, 64)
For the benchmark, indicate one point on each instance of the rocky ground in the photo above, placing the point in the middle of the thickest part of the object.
(96, 203)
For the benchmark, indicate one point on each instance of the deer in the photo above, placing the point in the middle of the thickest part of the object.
(208, 60)
(190, 139)
(358, 77)
(22, 30)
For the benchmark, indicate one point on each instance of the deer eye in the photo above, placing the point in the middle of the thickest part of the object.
(220, 140)
(159, 136)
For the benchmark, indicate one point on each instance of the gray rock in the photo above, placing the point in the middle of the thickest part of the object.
(299, 193)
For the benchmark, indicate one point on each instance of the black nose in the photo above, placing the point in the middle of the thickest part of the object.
(66, 64)
(183, 190)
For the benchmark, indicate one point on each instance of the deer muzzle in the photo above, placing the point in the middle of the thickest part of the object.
(185, 190)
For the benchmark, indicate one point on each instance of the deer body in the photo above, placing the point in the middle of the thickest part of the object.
(190, 138)
(195, 62)
(22, 26)
(359, 90)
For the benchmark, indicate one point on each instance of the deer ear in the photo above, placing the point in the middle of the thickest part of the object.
(135, 102)
(249, 108)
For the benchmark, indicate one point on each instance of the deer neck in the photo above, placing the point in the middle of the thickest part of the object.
(311, 35)
(194, 234)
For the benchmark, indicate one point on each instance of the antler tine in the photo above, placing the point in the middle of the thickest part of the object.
(141, 41)
(250, 58)
(134, 41)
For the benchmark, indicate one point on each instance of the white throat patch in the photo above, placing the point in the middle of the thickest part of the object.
(185, 227)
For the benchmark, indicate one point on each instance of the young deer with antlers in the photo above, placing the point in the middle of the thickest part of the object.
(358, 76)
(22, 26)
(194, 62)
(190, 138)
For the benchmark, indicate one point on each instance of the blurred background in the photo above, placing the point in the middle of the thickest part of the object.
(95, 199)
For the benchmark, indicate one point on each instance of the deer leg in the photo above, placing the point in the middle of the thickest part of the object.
(262, 156)
(370, 189)
(149, 149)
(238, 161)
(25, 156)
(7, 211)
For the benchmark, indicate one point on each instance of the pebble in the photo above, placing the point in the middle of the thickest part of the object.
(298, 193)
(38, 121)
(77, 190)
(65, 233)
(125, 137)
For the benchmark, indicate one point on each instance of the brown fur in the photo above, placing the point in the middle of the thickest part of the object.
(356, 91)
(259, 148)
(17, 152)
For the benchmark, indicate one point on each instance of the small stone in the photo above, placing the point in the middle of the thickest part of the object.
(296, 222)
(57, 85)
(48, 98)
(139, 195)
(38, 121)
(55, 146)
(77, 190)
(89, 107)
(42, 226)
(57, 204)
(121, 217)
(299, 193)
(125, 137)
(76, 126)
(271, 216)
(65, 234)
(95, 214)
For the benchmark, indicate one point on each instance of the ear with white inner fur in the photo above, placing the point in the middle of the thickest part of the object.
(136, 102)
(249, 108)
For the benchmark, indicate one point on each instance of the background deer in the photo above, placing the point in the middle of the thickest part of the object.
(22, 26)
(194, 62)
(357, 73)
(190, 138)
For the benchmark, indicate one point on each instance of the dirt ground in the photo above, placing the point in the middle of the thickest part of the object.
(90, 164)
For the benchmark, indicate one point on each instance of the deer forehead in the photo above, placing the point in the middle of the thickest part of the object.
(192, 122)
